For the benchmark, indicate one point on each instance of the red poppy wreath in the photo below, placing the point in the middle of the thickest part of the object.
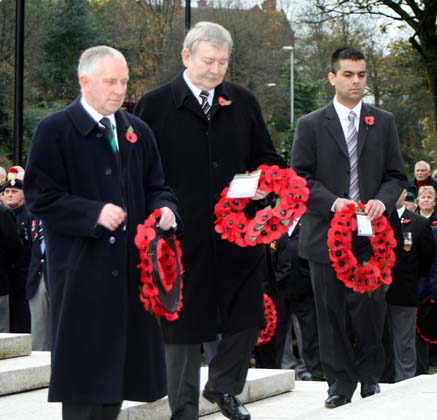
(271, 315)
(161, 269)
(369, 275)
(269, 223)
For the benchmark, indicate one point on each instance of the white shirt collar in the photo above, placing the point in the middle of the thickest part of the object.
(196, 91)
(401, 211)
(343, 111)
(293, 226)
(96, 116)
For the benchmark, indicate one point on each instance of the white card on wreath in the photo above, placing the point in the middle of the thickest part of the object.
(364, 225)
(244, 185)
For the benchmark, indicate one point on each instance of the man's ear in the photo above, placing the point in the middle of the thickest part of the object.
(332, 77)
(84, 82)
(185, 54)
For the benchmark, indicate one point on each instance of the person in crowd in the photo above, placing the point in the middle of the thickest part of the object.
(91, 184)
(416, 260)
(349, 152)
(18, 304)
(434, 174)
(10, 246)
(410, 202)
(37, 290)
(422, 177)
(426, 202)
(211, 129)
(3, 175)
(294, 287)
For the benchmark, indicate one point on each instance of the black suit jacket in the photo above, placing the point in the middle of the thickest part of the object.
(413, 263)
(320, 155)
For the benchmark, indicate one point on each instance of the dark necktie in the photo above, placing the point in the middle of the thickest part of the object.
(109, 133)
(352, 144)
(205, 104)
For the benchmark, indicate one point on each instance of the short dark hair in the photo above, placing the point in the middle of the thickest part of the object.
(345, 53)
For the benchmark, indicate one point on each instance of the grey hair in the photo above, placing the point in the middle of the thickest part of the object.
(91, 57)
(423, 163)
(210, 32)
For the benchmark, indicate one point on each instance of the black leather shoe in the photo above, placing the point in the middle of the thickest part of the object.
(369, 389)
(335, 401)
(230, 406)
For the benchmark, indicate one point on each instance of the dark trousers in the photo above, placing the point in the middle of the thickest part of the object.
(306, 314)
(71, 411)
(422, 356)
(350, 331)
(226, 374)
(19, 314)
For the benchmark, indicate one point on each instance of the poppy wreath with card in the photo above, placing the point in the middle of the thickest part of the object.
(269, 223)
(366, 276)
(265, 335)
(160, 269)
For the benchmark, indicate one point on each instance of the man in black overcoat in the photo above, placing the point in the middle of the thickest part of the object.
(11, 246)
(91, 186)
(348, 151)
(19, 311)
(203, 144)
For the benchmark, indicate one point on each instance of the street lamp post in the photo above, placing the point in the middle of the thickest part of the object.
(290, 48)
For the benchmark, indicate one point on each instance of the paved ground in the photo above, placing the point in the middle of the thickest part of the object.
(415, 399)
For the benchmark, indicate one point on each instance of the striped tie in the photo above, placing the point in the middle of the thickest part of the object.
(205, 104)
(352, 144)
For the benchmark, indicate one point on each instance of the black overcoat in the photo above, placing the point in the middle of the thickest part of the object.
(10, 246)
(222, 282)
(105, 347)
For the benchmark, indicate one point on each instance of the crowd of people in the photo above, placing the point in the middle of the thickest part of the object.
(69, 270)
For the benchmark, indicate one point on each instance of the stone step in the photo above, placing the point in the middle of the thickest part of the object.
(15, 345)
(413, 399)
(262, 383)
(25, 373)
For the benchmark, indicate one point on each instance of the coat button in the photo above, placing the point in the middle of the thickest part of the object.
(108, 171)
(98, 135)
(215, 164)
(42, 260)
(115, 273)
(112, 240)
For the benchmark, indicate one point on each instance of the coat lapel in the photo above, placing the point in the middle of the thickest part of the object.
(220, 91)
(122, 127)
(183, 97)
(82, 121)
(333, 127)
(364, 128)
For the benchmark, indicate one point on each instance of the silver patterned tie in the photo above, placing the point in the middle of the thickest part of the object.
(205, 104)
(352, 143)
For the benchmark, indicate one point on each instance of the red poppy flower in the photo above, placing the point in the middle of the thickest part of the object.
(223, 102)
(271, 317)
(165, 261)
(268, 223)
(369, 120)
(366, 276)
(131, 135)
